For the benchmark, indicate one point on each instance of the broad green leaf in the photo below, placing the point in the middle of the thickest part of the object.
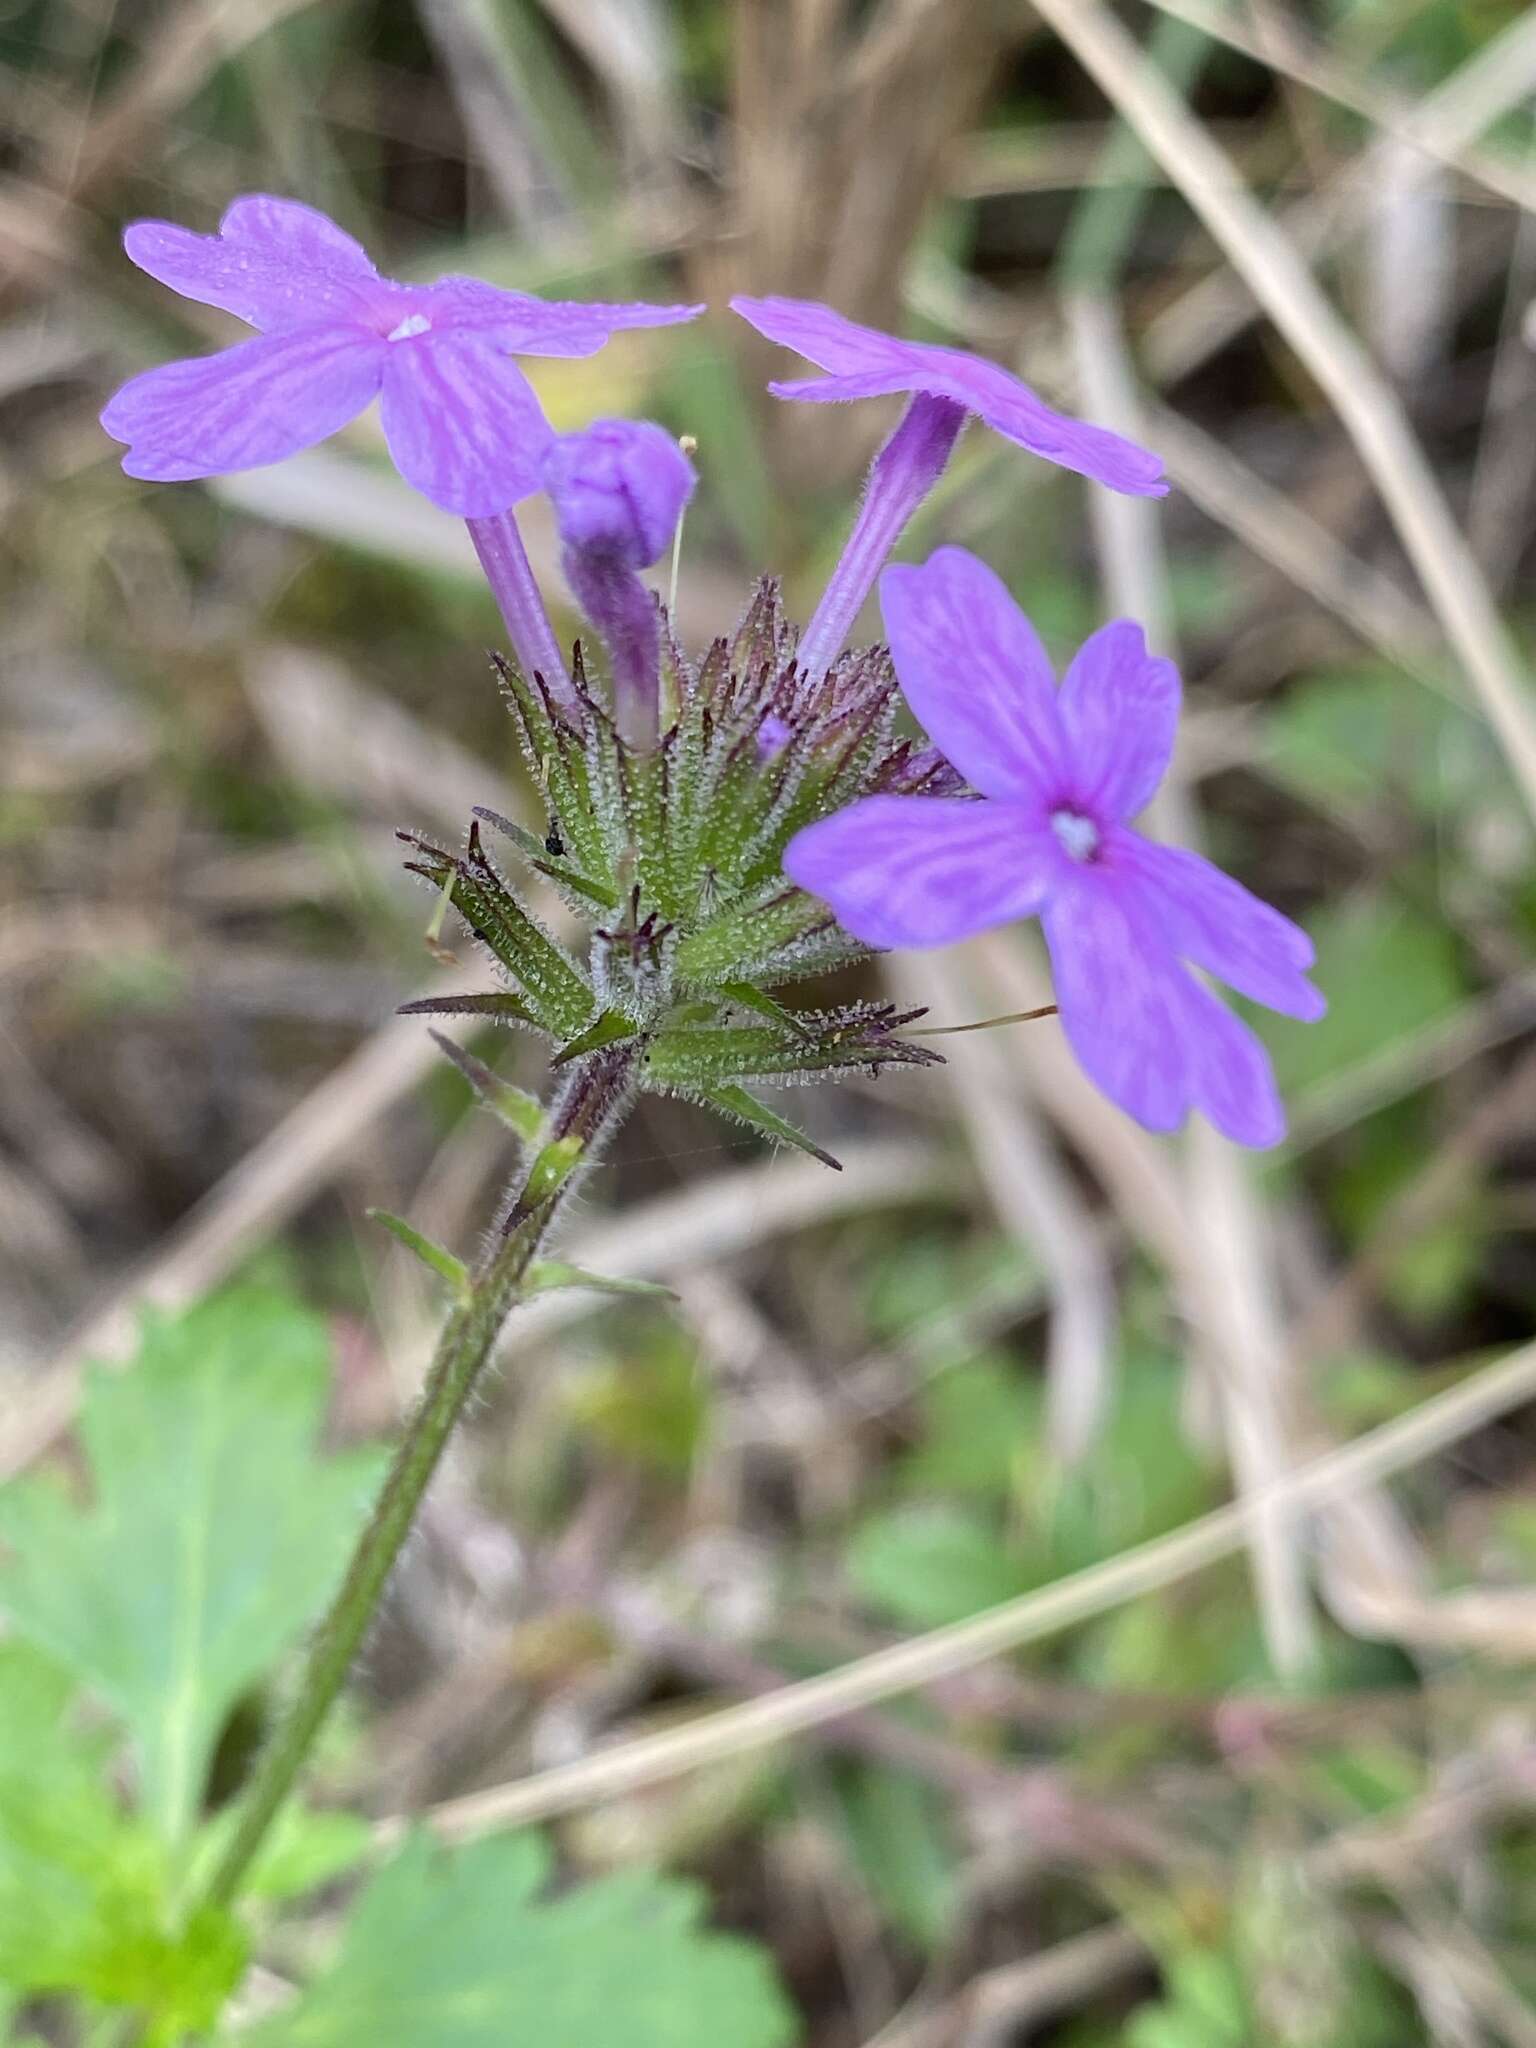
(1385, 969)
(454, 1950)
(1141, 1478)
(930, 1565)
(1370, 736)
(307, 1847)
(896, 1827)
(211, 1535)
(649, 1405)
(83, 1884)
(978, 1419)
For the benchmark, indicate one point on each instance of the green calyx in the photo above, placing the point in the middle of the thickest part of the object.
(671, 858)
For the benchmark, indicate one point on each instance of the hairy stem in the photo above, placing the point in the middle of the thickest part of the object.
(901, 476)
(499, 544)
(592, 1098)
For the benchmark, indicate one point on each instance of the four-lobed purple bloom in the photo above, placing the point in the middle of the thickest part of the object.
(1059, 773)
(461, 419)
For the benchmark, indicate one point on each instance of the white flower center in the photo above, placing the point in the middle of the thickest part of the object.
(413, 323)
(1079, 836)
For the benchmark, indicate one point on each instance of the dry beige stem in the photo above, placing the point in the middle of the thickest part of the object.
(1284, 286)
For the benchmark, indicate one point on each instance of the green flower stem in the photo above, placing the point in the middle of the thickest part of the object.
(593, 1097)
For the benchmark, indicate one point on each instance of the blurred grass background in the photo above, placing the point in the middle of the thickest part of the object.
(1289, 1800)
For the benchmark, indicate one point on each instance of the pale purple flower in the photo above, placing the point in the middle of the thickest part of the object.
(945, 386)
(460, 418)
(863, 363)
(1060, 774)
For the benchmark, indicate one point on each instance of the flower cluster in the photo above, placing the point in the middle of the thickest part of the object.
(730, 822)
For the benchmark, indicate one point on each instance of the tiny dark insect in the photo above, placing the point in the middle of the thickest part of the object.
(554, 845)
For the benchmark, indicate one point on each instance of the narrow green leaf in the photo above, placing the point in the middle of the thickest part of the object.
(518, 1110)
(442, 1262)
(549, 1274)
(736, 1102)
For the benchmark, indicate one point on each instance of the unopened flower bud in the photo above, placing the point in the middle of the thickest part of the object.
(618, 489)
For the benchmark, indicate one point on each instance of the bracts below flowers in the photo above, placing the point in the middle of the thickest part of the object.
(671, 855)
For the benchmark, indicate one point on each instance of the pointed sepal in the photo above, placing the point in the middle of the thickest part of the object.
(502, 1007)
(746, 1109)
(608, 1029)
(865, 1035)
(550, 983)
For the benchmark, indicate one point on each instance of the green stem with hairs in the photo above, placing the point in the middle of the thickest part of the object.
(592, 1098)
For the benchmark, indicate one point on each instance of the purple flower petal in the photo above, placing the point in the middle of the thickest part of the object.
(863, 362)
(1215, 923)
(251, 404)
(273, 263)
(840, 390)
(462, 422)
(1120, 708)
(524, 325)
(975, 674)
(1230, 1073)
(922, 871)
(1144, 1031)
(826, 338)
(1119, 1003)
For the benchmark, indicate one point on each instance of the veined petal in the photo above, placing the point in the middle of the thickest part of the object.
(525, 325)
(1209, 919)
(975, 674)
(273, 263)
(1230, 1072)
(865, 363)
(1120, 1004)
(1012, 409)
(462, 422)
(1120, 708)
(839, 390)
(825, 338)
(1144, 1031)
(251, 404)
(922, 871)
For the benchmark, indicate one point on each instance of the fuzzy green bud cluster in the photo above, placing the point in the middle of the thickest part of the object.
(670, 857)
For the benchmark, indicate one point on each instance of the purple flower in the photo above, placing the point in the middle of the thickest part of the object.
(461, 420)
(1060, 773)
(618, 489)
(864, 363)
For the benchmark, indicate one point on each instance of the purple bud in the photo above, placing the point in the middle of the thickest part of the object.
(618, 489)
(773, 736)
